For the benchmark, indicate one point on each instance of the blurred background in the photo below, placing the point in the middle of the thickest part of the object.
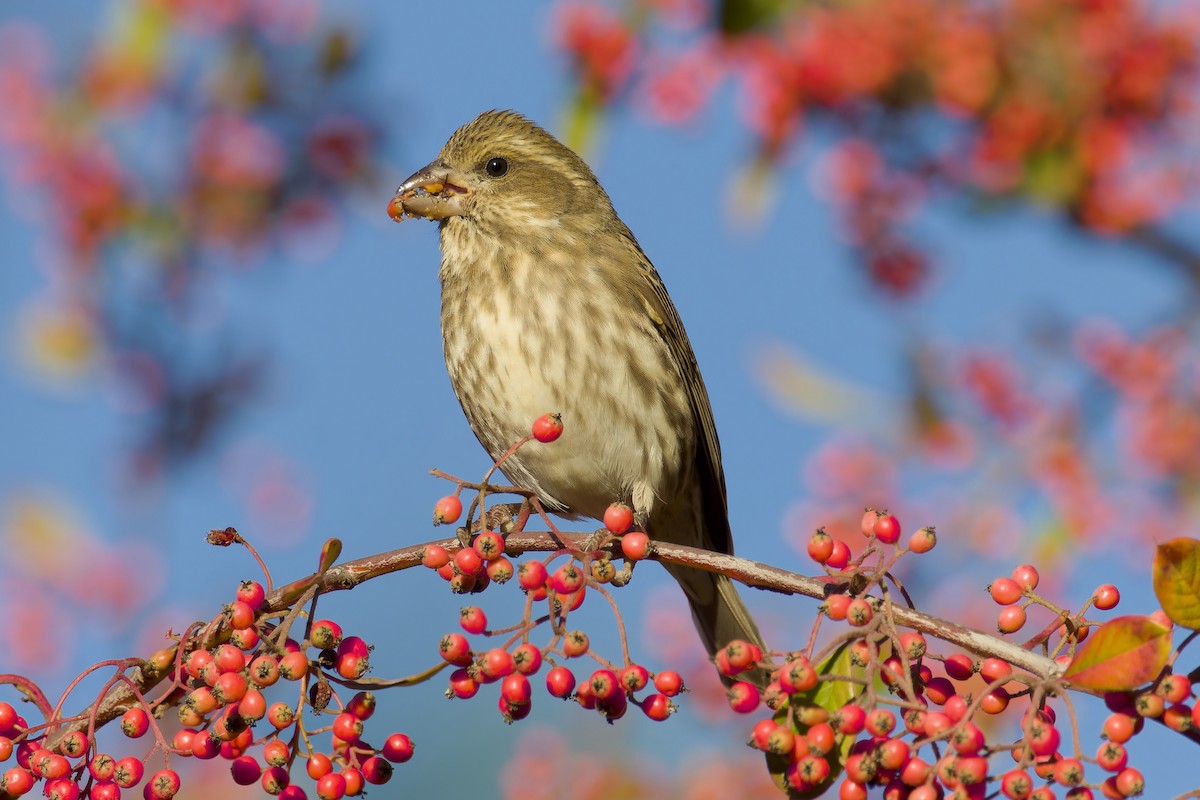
(935, 256)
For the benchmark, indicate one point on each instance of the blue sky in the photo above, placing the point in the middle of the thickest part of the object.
(359, 397)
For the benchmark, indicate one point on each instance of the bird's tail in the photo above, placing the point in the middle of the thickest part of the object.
(719, 612)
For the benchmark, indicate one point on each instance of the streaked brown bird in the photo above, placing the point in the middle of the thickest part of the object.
(549, 304)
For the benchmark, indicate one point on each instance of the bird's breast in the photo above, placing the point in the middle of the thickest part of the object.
(540, 329)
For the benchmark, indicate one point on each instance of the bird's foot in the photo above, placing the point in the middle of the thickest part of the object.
(502, 517)
(624, 574)
(595, 542)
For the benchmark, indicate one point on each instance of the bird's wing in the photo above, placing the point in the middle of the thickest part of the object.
(657, 303)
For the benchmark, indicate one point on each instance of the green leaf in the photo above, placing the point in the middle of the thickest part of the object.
(1177, 580)
(830, 696)
(1122, 654)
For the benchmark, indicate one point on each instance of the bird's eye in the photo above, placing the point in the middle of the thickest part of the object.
(496, 167)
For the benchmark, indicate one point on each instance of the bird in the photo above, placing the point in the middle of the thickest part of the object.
(548, 303)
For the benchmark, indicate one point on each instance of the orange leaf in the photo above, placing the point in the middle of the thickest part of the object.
(1177, 580)
(1122, 654)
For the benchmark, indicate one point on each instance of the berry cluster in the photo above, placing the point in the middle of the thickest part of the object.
(923, 736)
(218, 694)
(562, 588)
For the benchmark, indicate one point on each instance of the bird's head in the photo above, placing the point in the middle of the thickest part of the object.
(502, 168)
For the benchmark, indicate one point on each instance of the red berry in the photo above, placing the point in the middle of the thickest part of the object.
(744, 697)
(280, 715)
(435, 556)
(135, 722)
(240, 614)
(352, 666)
(1175, 688)
(500, 570)
(547, 427)
(850, 719)
(923, 540)
(1016, 784)
(887, 529)
(1068, 772)
(318, 765)
(836, 606)
(1130, 782)
(635, 545)
(634, 677)
(468, 561)
(331, 786)
(914, 645)
(560, 682)
(447, 510)
(994, 668)
(164, 784)
(1106, 597)
(867, 526)
(820, 738)
(462, 684)
(246, 771)
(489, 545)
(1010, 619)
(881, 722)
(532, 575)
(820, 546)
(104, 790)
(959, 667)
(515, 689)
(1119, 728)
(527, 658)
(472, 619)
(1112, 757)
(293, 666)
(893, 753)
(129, 772)
(995, 701)
(496, 663)
(618, 517)
(669, 682)
(1026, 576)
(840, 557)
(658, 707)
(575, 644)
(859, 612)
(1005, 591)
(568, 579)
(229, 658)
(797, 675)
(362, 705)
(376, 771)
(398, 748)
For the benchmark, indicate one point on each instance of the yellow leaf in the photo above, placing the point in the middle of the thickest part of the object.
(1122, 654)
(1177, 580)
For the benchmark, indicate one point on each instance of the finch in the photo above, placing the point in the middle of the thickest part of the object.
(550, 305)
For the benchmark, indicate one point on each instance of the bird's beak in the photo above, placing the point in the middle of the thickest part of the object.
(433, 192)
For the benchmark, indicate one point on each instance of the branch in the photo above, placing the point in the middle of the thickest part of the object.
(341, 577)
